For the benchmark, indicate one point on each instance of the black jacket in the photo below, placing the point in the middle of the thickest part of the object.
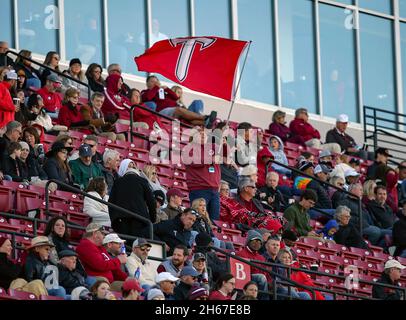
(4, 144)
(110, 177)
(32, 168)
(202, 225)
(371, 171)
(345, 141)
(382, 216)
(352, 203)
(9, 271)
(279, 203)
(337, 197)
(70, 279)
(35, 268)
(14, 168)
(323, 201)
(53, 171)
(383, 293)
(399, 235)
(133, 193)
(172, 232)
(349, 236)
(181, 291)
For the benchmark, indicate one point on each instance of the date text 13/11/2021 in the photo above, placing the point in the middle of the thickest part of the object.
(206, 309)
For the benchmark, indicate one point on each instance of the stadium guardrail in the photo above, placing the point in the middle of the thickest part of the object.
(61, 74)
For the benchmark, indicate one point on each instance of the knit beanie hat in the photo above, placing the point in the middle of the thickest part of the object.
(203, 239)
(253, 235)
(197, 291)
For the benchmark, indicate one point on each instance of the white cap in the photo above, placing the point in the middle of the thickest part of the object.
(351, 173)
(342, 118)
(394, 264)
(112, 237)
(11, 75)
(165, 276)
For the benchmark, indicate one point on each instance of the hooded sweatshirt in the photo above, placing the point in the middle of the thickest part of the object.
(7, 108)
(329, 225)
(115, 102)
(279, 156)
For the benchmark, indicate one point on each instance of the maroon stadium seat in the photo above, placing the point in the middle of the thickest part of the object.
(21, 295)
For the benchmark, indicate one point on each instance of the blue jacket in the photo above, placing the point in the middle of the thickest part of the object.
(329, 225)
(279, 156)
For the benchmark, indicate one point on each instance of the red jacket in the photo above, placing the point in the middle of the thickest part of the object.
(7, 108)
(170, 100)
(216, 295)
(149, 118)
(98, 263)
(71, 114)
(200, 176)
(115, 102)
(247, 253)
(303, 129)
(52, 100)
(304, 279)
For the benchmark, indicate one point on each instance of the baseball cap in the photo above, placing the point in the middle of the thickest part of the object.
(54, 78)
(159, 196)
(199, 256)
(11, 75)
(394, 264)
(131, 284)
(85, 150)
(67, 253)
(140, 242)
(174, 192)
(112, 237)
(305, 165)
(189, 271)
(165, 276)
(342, 118)
(322, 168)
(383, 151)
(351, 173)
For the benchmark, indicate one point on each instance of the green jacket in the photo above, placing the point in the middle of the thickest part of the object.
(82, 173)
(299, 219)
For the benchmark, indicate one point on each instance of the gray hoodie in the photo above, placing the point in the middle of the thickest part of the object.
(279, 156)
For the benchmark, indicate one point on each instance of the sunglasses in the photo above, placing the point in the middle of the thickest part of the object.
(145, 249)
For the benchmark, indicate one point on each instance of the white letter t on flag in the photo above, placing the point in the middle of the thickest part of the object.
(186, 52)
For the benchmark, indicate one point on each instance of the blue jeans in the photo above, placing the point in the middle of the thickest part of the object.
(293, 294)
(262, 282)
(151, 105)
(315, 215)
(196, 106)
(212, 198)
(376, 235)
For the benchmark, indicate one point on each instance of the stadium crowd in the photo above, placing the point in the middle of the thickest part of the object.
(269, 203)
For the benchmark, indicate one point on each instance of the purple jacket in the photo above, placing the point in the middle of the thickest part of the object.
(283, 132)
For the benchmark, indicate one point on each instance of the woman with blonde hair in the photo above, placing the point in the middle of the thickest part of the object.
(196, 105)
(52, 61)
(149, 172)
(368, 193)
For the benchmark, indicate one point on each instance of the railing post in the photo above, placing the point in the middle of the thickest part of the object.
(132, 122)
(375, 132)
(361, 214)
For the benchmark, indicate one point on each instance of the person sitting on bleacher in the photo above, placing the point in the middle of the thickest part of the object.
(98, 211)
(94, 257)
(300, 126)
(382, 156)
(279, 128)
(36, 148)
(246, 145)
(177, 261)
(71, 277)
(10, 272)
(177, 230)
(94, 77)
(93, 111)
(35, 105)
(12, 166)
(56, 165)
(264, 168)
(111, 162)
(113, 245)
(32, 75)
(58, 235)
(174, 207)
(390, 276)
(143, 117)
(347, 233)
(346, 142)
(276, 148)
(298, 216)
(271, 193)
(387, 176)
(160, 201)
(75, 71)
(38, 267)
(166, 101)
(188, 277)
(83, 169)
(380, 212)
(70, 114)
(52, 100)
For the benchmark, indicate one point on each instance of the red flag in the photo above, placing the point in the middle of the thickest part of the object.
(204, 64)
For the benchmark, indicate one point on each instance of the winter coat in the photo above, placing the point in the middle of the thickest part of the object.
(382, 216)
(283, 132)
(298, 218)
(99, 212)
(279, 156)
(344, 140)
(35, 268)
(60, 245)
(9, 271)
(7, 107)
(14, 168)
(247, 253)
(327, 227)
(98, 263)
(352, 203)
(172, 232)
(133, 193)
(299, 127)
(53, 171)
(181, 291)
(323, 201)
(399, 235)
(279, 203)
(305, 279)
(70, 279)
(82, 173)
(115, 102)
(172, 212)
(384, 293)
(349, 236)
(71, 117)
(52, 100)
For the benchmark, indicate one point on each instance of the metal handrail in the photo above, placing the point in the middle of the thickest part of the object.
(322, 182)
(270, 272)
(132, 108)
(110, 205)
(50, 69)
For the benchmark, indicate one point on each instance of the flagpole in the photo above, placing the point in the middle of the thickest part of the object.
(239, 81)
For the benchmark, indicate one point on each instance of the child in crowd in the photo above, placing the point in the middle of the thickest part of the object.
(329, 230)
